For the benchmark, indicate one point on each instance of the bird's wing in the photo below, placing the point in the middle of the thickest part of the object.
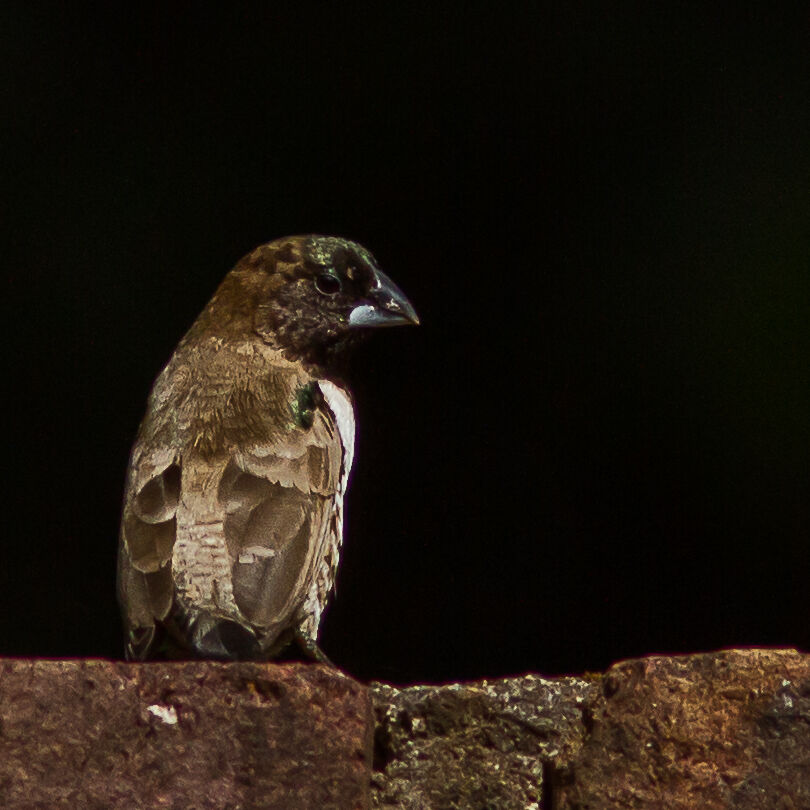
(283, 502)
(148, 530)
(276, 504)
(339, 404)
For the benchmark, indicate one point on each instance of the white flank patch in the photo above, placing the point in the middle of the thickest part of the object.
(168, 714)
(341, 406)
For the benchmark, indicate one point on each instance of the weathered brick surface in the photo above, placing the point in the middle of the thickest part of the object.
(716, 730)
(90, 734)
(719, 730)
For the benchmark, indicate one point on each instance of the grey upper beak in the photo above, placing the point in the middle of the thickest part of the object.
(385, 305)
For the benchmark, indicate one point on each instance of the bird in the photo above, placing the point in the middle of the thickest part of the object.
(232, 521)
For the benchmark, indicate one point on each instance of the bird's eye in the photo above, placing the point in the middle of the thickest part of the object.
(327, 284)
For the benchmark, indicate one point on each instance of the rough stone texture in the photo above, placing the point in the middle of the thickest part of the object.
(478, 745)
(719, 730)
(195, 735)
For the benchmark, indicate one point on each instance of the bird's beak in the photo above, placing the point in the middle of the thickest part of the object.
(385, 305)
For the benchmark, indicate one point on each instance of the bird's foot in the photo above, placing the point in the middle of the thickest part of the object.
(302, 647)
(310, 649)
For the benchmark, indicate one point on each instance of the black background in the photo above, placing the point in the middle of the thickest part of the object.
(595, 446)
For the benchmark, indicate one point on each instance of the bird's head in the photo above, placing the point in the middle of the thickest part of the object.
(310, 296)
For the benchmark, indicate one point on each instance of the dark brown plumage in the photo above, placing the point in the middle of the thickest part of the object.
(232, 518)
